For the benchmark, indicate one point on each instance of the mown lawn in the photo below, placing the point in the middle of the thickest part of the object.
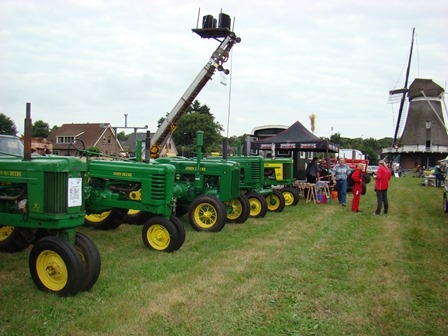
(310, 270)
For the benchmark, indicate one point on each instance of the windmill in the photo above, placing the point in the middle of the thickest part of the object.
(424, 139)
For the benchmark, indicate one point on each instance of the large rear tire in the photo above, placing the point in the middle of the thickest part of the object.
(238, 210)
(258, 205)
(291, 196)
(14, 239)
(160, 234)
(107, 220)
(56, 266)
(90, 258)
(207, 213)
(276, 201)
(136, 217)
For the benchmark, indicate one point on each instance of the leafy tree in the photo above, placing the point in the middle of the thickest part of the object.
(197, 117)
(94, 149)
(40, 129)
(122, 136)
(7, 126)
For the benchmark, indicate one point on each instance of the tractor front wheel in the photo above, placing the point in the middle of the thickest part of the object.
(180, 230)
(276, 201)
(107, 220)
(291, 196)
(56, 266)
(238, 209)
(258, 205)
(90, 258)
(160, 234)
(207, 213)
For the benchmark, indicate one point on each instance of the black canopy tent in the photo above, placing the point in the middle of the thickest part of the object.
(296, 139)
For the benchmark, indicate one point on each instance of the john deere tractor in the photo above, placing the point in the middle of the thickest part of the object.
(278, 174)
(42, 203)
(209, 191)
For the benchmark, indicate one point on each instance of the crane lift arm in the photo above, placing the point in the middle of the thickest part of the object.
(216, 61)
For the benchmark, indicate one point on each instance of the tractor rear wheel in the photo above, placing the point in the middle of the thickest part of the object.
(14, 239)
(56, 266)
(238, 210)
(160, 234)
(107, 220)
(207, 213)
(136, 217)
(291, 196)
(258, 205)
(90, 258)
(276, 201)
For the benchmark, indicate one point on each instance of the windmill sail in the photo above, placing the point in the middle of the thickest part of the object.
(403, 92)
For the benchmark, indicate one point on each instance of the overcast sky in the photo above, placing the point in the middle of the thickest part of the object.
(96, 60)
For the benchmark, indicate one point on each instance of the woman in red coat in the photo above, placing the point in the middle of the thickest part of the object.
(382, 179)
(357, 186)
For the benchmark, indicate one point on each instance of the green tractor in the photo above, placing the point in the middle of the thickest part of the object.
(42, 204)
(114, 187)
(278, 174)
(209, 191)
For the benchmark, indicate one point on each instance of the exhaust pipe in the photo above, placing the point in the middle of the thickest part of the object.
(27, 136)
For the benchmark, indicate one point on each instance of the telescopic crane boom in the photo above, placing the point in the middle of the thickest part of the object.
(227, 39)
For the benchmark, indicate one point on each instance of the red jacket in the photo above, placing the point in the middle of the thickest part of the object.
(357, 177)
(382, 178)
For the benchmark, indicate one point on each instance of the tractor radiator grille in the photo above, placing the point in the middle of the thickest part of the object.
(255, 168)
(55, 192)
(158, 186)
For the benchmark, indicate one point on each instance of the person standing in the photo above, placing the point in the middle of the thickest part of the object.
(382, 179)
(312, 171)
(340, 173)
(357, 186)
(439, 176)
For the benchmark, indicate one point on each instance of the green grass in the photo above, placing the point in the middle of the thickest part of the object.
(310, 270)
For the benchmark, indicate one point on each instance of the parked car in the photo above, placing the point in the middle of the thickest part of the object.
(10, 145)
(372, 170)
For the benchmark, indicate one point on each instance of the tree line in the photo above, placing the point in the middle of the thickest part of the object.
(199, 117)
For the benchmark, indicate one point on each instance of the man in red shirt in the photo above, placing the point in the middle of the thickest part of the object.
(382, 179)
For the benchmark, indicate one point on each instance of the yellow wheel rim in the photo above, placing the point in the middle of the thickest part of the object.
(236, 209)
(133, 212)
(97, 218)
(5, 232)
(205, 215)
(255, 207)
(158, 237)
(273, 202)
(289, 198)
(51, 270)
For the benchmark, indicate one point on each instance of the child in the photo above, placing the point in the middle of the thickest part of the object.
(357, 186)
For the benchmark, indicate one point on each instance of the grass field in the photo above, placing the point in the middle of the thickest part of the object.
(310, 270)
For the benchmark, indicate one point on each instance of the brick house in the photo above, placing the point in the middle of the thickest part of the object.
(100, 135)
